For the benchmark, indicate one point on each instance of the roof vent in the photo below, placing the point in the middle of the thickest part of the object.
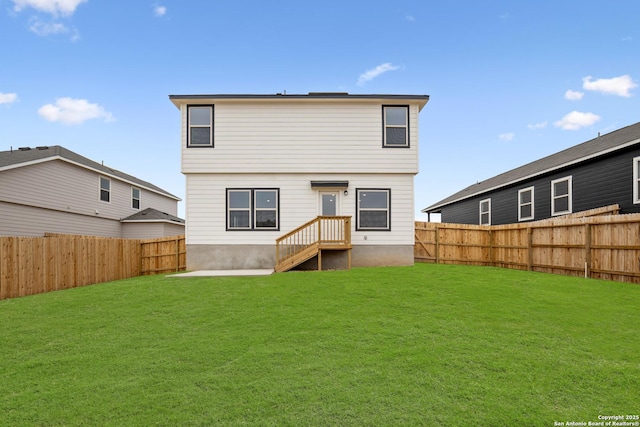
(42, 147)
(24, 148)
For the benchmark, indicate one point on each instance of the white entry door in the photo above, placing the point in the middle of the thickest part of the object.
(329, 203)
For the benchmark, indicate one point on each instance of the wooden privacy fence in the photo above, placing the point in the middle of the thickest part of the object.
(33, 265)
(602, 247)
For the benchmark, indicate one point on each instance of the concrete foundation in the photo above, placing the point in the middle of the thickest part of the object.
(248, 257)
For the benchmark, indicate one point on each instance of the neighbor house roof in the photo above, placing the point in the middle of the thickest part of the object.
(311, 96)
(25, 156)
(596, 147)
(152, 215)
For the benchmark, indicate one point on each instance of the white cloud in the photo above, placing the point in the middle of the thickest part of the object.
(54, 7)
(540, 125)
(73, 111)
(576, 120)
(615, 86)
(159, 10)
(375, 72)
(8, 98)
(573, 95)
(507, 136)
(47, 29)
(410, 18)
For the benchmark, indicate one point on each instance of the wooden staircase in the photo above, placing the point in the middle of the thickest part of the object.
(310, 239)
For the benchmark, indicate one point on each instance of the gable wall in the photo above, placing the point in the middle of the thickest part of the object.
(272, 137)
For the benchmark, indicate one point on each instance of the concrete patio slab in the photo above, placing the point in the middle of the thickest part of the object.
(222, 273)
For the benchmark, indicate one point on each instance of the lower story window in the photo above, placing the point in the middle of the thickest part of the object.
(253, 209)
(373, 209)
(525, 204)
(485, 212)
(636, 180)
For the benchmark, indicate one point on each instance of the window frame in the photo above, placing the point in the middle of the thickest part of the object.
(359, 227)
(569, 196)
(487, 212)
(252, 209)
(134, 198)
(107, 190)
(407, 143)
(531, 203)
(210, 126)
(636, 180)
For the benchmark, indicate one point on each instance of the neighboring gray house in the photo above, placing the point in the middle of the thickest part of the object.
(54, 190)
(601, 172)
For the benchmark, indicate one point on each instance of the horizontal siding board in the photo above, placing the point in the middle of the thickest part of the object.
(206, 210)
(300, 138)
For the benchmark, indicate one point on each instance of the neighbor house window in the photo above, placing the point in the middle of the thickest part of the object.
(373, 209)
(396, 126)
(200, 125)
(253, 209)
(525, 204)
(636, 180)
(561, 196)
(135, 198)
(105, 189)
(485, 212)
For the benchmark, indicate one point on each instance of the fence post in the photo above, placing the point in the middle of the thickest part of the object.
(529, 248)
(587, 251)
(437, 245)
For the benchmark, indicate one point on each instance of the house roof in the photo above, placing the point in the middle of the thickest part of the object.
(596, 147)
(152, 215)
(25, 156)
(182, 99)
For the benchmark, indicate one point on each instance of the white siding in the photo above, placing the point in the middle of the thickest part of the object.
(206, 207)
(65, 187)
(300, 137)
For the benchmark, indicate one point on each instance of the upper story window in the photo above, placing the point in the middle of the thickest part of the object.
(373, 209)
(525, 204)
(396, 126)
(135, 198)
(636, 180)
(561, 195)
(105, 189)
(200, 125)
(485, 212)
(253, 209)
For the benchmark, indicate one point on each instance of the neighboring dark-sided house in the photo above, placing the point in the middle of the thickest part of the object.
(600, 172)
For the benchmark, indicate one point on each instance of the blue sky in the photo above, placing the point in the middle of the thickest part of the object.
(509, 81)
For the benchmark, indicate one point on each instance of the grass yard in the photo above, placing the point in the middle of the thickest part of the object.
(433, 345)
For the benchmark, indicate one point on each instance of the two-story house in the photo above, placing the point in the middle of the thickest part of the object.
(259, 166)
(54, 190)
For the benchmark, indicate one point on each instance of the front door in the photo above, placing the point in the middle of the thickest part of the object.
(329, 203)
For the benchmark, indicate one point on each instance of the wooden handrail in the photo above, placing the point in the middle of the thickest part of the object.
(322, 230)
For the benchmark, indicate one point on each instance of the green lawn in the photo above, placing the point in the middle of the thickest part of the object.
(433, 345)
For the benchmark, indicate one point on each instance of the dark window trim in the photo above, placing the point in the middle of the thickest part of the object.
(188, 142)
(358, 228)
(252, 209)
(384, 126)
